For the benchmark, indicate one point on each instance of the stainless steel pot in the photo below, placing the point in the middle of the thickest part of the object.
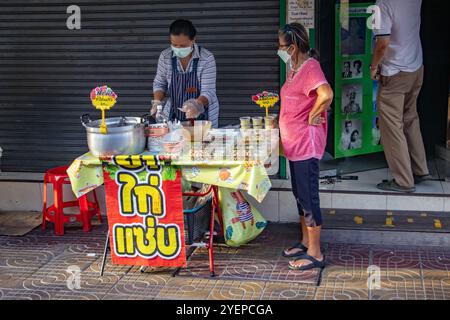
(125, 136)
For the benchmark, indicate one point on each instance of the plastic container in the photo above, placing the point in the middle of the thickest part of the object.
(246, 123)
(270, 122)
(257, 122)
(155, 134)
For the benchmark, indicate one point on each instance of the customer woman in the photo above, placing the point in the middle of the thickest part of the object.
(305, 99)
(186, 77)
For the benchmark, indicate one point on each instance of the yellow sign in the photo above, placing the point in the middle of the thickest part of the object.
(103, 98)
(266, 100)
(103, 102)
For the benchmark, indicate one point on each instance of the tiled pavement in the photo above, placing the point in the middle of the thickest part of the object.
(34, 267)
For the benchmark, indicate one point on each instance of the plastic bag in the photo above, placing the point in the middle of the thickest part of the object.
(242, 222)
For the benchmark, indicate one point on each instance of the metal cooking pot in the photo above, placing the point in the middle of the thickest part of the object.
(126, 135)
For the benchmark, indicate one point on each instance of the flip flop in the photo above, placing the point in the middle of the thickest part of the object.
(298, 254)
(316, 264)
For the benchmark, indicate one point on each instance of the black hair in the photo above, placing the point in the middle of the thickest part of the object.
(347, 63)
(357, 62)
(183, 27)
(352, 136)
(348, 122)
(295, 33)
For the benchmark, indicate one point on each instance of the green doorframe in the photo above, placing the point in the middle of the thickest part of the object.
(283, 7)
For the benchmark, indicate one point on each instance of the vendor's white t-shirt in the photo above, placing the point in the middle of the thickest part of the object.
(401, 20)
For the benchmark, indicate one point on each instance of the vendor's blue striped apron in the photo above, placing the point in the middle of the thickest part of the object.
(184, 86)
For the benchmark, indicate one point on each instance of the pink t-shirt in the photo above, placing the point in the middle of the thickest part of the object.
(300, 140)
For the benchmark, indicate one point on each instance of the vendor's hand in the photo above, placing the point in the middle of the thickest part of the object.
(316, 120)
(155, 104)
(193, 109)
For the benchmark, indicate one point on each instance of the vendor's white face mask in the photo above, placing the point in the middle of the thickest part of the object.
(182, 52)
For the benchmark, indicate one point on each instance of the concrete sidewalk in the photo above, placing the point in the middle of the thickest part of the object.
(35, 267)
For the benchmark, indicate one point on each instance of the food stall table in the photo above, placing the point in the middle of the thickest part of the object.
(88, 172)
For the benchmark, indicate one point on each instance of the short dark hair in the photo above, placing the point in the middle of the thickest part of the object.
(183, 27)
(357, 62)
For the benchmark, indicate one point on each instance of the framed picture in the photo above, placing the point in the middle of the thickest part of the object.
(352, 99)
(353, 40)
(351, 135)
(352, 69)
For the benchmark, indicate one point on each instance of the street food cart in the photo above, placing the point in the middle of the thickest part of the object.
(145, 169)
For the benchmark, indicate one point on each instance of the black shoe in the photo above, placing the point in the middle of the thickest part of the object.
(394, 186)
(420, 179)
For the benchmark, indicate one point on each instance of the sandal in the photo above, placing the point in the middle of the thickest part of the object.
(301, 253)
(316, 264)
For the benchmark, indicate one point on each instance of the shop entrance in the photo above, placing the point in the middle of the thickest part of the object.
(433, 101)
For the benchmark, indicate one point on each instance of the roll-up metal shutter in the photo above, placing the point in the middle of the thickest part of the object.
(47, 71)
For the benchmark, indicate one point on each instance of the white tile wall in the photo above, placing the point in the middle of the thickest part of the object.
(288, 207)
(269, 207)
(447, 205)
(279, 206)
(21, 196)
(326, 200)
(415, 203)
(364, 202)
(24, 196)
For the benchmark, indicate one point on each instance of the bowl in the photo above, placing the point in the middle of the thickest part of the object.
(156, 130)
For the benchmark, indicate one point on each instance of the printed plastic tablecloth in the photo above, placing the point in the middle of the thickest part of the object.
(86, 174)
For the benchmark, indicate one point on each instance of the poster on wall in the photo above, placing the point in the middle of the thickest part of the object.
(356, 117)
(301, 11)
(145, 212)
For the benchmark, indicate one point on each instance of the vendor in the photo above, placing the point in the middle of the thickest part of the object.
(305, 99)
(186, 77)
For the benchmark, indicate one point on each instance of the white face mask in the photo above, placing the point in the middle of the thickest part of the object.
(182, 52)
(284, 55)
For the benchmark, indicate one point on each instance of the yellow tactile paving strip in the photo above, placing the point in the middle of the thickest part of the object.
(387, 220)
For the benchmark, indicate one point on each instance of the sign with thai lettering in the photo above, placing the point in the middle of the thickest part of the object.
(301, 11)
(145, 212)
(103, 98)
(266, 100)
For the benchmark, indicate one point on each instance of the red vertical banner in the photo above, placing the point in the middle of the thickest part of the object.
(145, 212)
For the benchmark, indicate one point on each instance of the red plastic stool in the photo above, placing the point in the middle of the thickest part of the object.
(55, 213)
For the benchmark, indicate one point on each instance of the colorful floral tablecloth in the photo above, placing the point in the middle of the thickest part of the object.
(86, 174)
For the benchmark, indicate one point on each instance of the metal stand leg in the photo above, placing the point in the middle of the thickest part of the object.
(189, 252)
(215, 205)
(219, 211)
(105, 253)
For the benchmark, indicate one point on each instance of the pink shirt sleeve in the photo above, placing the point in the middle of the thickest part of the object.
(314, 78)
